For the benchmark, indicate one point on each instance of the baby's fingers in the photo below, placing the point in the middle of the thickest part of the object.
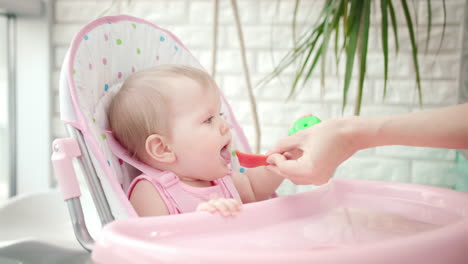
(233, 205)
(225, 206)
(220, 206)
(207, 207)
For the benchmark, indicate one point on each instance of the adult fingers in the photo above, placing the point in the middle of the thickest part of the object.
(293, 154)
(275, 158)
(289, 167)
(281, 165)
(299, 170)
(285, 144)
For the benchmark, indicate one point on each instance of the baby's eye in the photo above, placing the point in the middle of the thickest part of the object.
(209, 120)
(221, 114)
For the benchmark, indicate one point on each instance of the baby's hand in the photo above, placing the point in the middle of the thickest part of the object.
(226, 207)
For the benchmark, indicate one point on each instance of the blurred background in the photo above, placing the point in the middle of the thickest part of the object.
(35, 36)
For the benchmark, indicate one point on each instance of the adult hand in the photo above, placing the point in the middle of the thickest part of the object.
(312, 155)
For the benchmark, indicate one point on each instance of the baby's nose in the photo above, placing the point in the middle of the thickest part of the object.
(224, 128)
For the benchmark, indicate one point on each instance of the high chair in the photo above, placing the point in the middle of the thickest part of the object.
(344, 221)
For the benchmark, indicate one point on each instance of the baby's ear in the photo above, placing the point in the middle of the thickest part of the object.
(158, 149)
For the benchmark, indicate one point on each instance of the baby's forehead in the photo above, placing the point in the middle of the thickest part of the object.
(191, 95)
(184, 86)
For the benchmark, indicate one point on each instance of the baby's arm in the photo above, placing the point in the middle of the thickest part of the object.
(226, 207)
(256, 184)
(146, 200)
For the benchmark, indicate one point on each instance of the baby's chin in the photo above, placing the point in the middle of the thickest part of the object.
(220, 173)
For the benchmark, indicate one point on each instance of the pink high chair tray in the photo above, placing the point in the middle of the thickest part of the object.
(346, 221)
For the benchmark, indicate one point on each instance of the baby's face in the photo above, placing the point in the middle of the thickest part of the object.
(200, 136)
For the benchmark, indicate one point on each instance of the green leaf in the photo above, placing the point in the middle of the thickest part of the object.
(384, 9)
(364, 45)
(354, 14)
(298, 75)
(294, 54)
(345, 20)
(442, 37)
(337, 36)
(351, 18)
(304, 64)
(429, 23)
(353, 34)
(335, 13)
(312, 66)
(342, 14)
(326, 36)
(296, 8)
(394, 25)
(314, 62)
(414, 47)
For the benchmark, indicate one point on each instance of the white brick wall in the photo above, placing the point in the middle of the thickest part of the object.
(265, 30)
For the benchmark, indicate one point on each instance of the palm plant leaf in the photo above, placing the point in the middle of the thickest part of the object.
(414, 47)
(292, 55)
(394, 25)
(444, 9)
(301, 71)
(429, 23)
(313, 64)
(351, 18)
(345, 17)
(384, 8)
(337, 37)
(327, 31)
(352, 35)
(336, 12)
(364, 37)
(294, 22)
(311, 47)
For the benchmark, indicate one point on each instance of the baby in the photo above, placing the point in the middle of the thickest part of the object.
(169, 118)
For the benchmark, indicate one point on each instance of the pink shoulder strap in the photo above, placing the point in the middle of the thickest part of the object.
(170, 204)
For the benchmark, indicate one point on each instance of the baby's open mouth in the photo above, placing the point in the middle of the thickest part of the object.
(225, 152)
